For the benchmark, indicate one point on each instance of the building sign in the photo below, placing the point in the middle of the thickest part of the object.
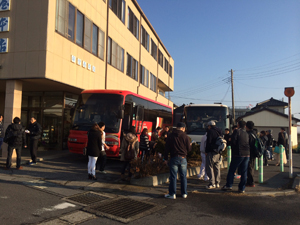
(4, 5)
(3, 45)
(83, 63)
(4, 24)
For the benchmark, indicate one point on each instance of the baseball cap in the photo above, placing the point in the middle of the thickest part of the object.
(211, 123)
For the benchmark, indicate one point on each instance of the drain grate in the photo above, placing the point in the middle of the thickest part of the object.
(86, 198)
(123, 209)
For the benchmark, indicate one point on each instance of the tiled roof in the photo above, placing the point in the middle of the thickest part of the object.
(272, 102)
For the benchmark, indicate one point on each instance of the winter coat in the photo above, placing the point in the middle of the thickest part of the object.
(252, 143)
(178, 144)
(212, 134)
(35, 130)
(240, 143)
(94, 143)
(282, 139)
(2, 133)
(17, 134)
(144, 142)
(129, 139)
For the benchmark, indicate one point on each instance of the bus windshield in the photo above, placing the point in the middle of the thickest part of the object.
(94, 108)
(198, 117)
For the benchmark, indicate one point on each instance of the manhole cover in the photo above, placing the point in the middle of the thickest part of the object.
(123, 209)
(86, 198)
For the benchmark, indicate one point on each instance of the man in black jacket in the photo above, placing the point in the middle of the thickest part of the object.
(178, 145)
(15, 138)
(1, 130)
(252, 136)
(212, 155)
(34, 131)
(240, 157)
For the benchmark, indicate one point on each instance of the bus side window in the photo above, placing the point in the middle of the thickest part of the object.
(126, 124)
(139, 118)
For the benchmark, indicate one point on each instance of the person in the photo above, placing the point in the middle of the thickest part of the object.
(129, 151)
(227, 136)
(15, 138)
(250, 172)
(264, 139)
(94, 147)
(212, 156)
(165, 133)
(144, 144)
(283, 140)
(1, 130)
(203, 175)
(104, 146)
(269, 144)
(178, 145)
(155, 134)
(240, 157)
(34, 131)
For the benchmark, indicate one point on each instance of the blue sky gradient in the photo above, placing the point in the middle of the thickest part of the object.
(259, 40)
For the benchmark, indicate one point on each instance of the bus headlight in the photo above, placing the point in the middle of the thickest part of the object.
(111, 143)
(72, 139)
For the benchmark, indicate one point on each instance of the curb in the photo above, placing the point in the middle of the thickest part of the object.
(159, 179)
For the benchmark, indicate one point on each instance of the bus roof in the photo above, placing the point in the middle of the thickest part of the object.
(121, 92)
(206, 105)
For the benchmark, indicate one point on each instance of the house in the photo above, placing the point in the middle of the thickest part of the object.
(269, 115)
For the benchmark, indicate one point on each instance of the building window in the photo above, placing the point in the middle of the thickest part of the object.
(171, 71)
(145, 38)
(61, 17)
(144, 76)
(160, 59)
(101, 44)
(115, 55)
(132, 67)
(95, 40)
(71, 27)
(152, 82)
(87, 33)
(161, 93)
(166, 65)
(118, 7)
(133, 23)
(79, 28)
(153, 49)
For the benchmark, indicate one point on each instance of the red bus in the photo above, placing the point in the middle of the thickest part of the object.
(119, 110)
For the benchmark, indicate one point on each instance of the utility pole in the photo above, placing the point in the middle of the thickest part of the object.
(232, 96)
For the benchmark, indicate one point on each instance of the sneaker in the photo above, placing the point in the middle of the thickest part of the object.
(225, 188)
(200, 177)
(170, 196)
(237, 176)
(104, 172)
(20, 168)
(217, 185)
(32, 163)
(210, 186)
(206, 179)
(250, 185)
(241, 192)
(184, 196)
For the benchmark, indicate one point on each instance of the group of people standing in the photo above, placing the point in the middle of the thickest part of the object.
(15, 137)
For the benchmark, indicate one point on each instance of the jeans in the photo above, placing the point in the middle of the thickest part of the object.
(271, 152)
(213, 168)
(92, 165)
(103, 159)
(10, 150)
(242, 164)
(250, 172)
(33, 149)
(178, 164)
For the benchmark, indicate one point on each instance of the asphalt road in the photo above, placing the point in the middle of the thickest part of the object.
(20, 204)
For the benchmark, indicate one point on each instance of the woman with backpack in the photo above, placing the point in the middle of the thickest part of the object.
(129, 151)
(93, 149)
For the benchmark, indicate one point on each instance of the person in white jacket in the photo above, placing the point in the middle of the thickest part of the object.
(202, 175)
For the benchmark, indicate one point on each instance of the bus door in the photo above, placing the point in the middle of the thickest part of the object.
(139, 118)
(128, 116)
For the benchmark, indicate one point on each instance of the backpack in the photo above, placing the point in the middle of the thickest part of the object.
(9, 135)
(259, 146)
(221, 144)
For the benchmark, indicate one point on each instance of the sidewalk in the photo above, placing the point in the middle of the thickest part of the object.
(60, 171)
(274, 181)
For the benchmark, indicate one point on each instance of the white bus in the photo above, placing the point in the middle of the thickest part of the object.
(196, 117)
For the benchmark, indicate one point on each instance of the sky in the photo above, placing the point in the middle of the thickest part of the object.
(259, 40)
